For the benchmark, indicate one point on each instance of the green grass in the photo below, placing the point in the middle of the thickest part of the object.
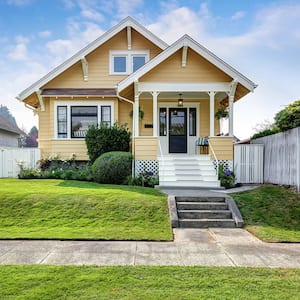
(73, 282)
(272, 213)
(57, 209)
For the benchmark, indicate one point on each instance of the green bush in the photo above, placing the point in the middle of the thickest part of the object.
(265, 133)
(226, 177)
(147, 179)
(103, 138)
(112, 167)
(289, 117)
(28, 173)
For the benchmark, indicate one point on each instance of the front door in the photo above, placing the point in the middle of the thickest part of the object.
(177, 130)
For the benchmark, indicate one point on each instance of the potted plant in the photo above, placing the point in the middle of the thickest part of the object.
(222, 115)
(141, 114)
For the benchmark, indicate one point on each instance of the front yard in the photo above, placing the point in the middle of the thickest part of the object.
(58, 209)
(87, 282)
(272, 213)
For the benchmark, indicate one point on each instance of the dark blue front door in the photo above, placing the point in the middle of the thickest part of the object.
(177, 130)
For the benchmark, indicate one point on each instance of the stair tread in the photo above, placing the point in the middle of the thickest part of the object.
(205, 220)
(204, 210)
(200, 202)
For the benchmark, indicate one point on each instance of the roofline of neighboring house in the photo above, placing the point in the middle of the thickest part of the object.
(88, 49)
(186, 40)
(9, 127)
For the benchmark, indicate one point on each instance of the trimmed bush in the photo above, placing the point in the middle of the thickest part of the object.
(103, 138)
(289, 117)
(112, 167)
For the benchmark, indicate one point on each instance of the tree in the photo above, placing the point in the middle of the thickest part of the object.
(289, 117)
(31, 138)
(4, 111)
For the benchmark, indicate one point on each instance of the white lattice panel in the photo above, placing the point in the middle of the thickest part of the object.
(228, 164)
(142, 166)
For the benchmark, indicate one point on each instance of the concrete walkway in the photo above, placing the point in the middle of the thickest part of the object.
(203, 247)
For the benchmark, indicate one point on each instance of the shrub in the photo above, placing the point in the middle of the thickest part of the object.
(146, 178)
(265, 133)
(103, 138)
(112, 167)
(289, 117)
(226, 177)
(29, 174)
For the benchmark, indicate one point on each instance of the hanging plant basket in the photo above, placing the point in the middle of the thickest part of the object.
(141, 114)
(222, 112)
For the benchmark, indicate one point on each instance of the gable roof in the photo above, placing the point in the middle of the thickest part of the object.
(186, 40)
(88, 49)
(8, 126)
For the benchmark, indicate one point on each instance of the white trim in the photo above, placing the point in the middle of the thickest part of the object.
(128, 37)
(69, 104)
(182, 42)
(129, 55)
(211, 113)
(85, 68)
(184, 87)
(88, 49)
(184, 56)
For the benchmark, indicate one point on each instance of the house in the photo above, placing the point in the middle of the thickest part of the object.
(178, 87)
(9, 133)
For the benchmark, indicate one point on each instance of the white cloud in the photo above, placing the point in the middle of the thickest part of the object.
(92, 15)
(238, 15)
(127, 8)
(45, 34)
(19, 2)
(69, 4)
(19, 52)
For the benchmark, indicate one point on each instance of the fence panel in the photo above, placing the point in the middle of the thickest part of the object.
(10, 159)
(282, 157)
(249, 163)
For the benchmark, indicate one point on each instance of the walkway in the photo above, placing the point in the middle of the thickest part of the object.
(203, 247)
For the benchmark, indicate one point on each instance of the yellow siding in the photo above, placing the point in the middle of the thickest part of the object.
(145, 148)
(147, 106)
(223, 147)
(46, 121)
(197, 69)
(98, 64)
(64, 148)
(124, 114)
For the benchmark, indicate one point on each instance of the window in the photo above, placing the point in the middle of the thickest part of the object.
(106, 115)
(192, 122)
(126, 62)
(62, 129)
(73, 118)
(81, 118)
(162, 121)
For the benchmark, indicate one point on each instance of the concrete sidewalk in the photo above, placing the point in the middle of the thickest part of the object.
(203, 247)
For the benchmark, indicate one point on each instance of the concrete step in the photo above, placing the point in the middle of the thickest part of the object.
(202, 205)
(206, 223)
(204, 214)
(200, 199)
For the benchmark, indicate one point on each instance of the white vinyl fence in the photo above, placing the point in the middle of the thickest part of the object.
(249, 163)
(11, 158)
(282, 157)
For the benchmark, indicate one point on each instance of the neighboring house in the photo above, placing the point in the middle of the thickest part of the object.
(9, 133)
(179, 87)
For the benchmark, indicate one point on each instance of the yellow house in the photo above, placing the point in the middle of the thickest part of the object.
(179, 88)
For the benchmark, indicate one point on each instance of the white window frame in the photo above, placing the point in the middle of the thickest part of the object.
(129, 59)
(69, 104)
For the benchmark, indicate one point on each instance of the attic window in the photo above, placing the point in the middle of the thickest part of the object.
(126, 62)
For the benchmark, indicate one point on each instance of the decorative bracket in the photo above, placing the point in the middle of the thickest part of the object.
(41, 100)
(128, 37)
(85, 68)
(184, 56)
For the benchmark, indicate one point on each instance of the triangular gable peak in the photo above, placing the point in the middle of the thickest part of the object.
(183, 44)
(80, 55)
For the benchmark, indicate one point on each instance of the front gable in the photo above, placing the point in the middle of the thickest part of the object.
(196, 69)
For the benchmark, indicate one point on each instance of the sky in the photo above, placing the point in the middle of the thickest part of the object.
(260, 38)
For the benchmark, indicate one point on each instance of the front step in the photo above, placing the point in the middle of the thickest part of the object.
(206, 223)
(204, 212)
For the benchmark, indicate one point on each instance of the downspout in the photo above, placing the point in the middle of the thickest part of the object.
(133, 144)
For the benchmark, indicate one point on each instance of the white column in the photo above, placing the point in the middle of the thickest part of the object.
(231, 99)
(212, 113)
(136, 115)
(154, 98)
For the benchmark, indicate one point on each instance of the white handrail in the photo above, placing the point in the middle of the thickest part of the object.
(214, 155)
(161, 154)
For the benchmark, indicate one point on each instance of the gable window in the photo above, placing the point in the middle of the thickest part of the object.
(126, 62)
(73, 118)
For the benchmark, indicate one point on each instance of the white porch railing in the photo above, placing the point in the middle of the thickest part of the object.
(214, 155)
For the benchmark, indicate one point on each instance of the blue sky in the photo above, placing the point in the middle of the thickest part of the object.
(260, 38)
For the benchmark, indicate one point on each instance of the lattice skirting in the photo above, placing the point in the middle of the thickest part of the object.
(142, 166)
(228, 164)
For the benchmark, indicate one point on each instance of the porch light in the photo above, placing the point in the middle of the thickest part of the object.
(180, 101)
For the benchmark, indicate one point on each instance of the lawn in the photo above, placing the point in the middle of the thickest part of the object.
(58, 209)
(49, 282)
(272, 213)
